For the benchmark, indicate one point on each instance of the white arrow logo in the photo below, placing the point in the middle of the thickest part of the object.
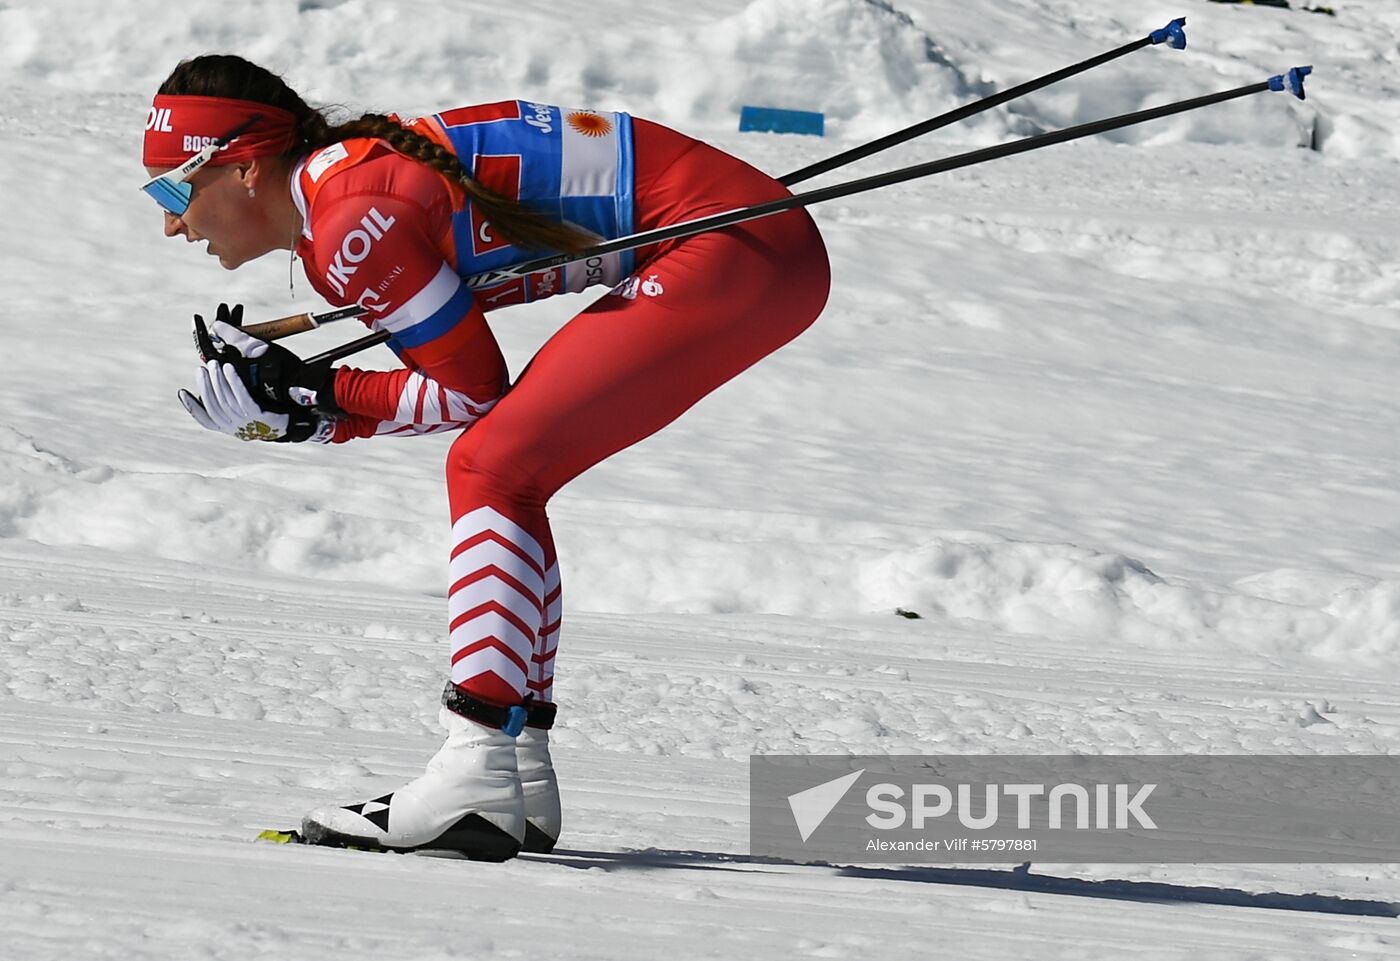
(810, 807)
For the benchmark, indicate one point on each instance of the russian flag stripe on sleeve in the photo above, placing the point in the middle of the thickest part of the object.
(431, 312)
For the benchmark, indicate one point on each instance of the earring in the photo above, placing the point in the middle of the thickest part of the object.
(252, 192)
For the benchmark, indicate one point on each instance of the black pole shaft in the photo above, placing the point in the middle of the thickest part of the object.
(1003, 150)
(835, 191)
(351, 347)
(957, 115)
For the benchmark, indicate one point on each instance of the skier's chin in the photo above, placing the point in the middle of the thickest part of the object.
(226, 260)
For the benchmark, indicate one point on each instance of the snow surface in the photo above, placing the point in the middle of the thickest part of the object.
(1118, 419)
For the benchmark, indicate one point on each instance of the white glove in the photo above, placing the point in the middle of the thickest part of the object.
(224, 405)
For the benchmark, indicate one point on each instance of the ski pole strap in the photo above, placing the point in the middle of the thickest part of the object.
(512, 720)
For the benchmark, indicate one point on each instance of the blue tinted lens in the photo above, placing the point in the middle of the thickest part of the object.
(171, 194)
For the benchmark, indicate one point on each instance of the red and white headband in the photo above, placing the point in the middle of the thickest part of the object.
(179, 126)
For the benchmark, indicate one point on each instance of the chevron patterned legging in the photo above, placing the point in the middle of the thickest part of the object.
(696, 313)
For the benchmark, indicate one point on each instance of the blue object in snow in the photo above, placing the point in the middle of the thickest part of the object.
(775, 120)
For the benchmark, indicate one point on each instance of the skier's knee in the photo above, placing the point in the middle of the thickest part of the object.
(473, 470)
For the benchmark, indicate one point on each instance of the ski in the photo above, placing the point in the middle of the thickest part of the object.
(293, 836)
(281, 837)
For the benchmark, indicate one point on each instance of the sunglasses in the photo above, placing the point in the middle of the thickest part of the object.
(172, 189)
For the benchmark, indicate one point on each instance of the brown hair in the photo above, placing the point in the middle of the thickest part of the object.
(227, 75)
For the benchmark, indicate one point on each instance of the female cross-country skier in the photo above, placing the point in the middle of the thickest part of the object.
(391, 214)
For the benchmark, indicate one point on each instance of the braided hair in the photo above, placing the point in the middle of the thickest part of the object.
(228, 75)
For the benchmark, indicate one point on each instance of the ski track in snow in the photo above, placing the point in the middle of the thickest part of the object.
(1117, 419)
(157, 720)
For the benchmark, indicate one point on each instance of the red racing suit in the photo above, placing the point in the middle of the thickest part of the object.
(683, 317)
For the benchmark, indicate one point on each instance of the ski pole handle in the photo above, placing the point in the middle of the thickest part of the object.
(299, 323)
(281, 327)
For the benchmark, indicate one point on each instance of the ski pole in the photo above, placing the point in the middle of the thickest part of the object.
(1173, 34)
(1292, 80)
(300, 323)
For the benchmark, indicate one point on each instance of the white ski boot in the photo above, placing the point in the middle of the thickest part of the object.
(541, 789)
(469, 801)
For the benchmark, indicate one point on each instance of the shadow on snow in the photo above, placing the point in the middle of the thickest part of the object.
(1017, 879)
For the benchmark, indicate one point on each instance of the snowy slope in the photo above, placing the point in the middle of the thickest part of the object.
(1119, 419)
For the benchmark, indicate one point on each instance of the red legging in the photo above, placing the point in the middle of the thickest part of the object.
(696, 313)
